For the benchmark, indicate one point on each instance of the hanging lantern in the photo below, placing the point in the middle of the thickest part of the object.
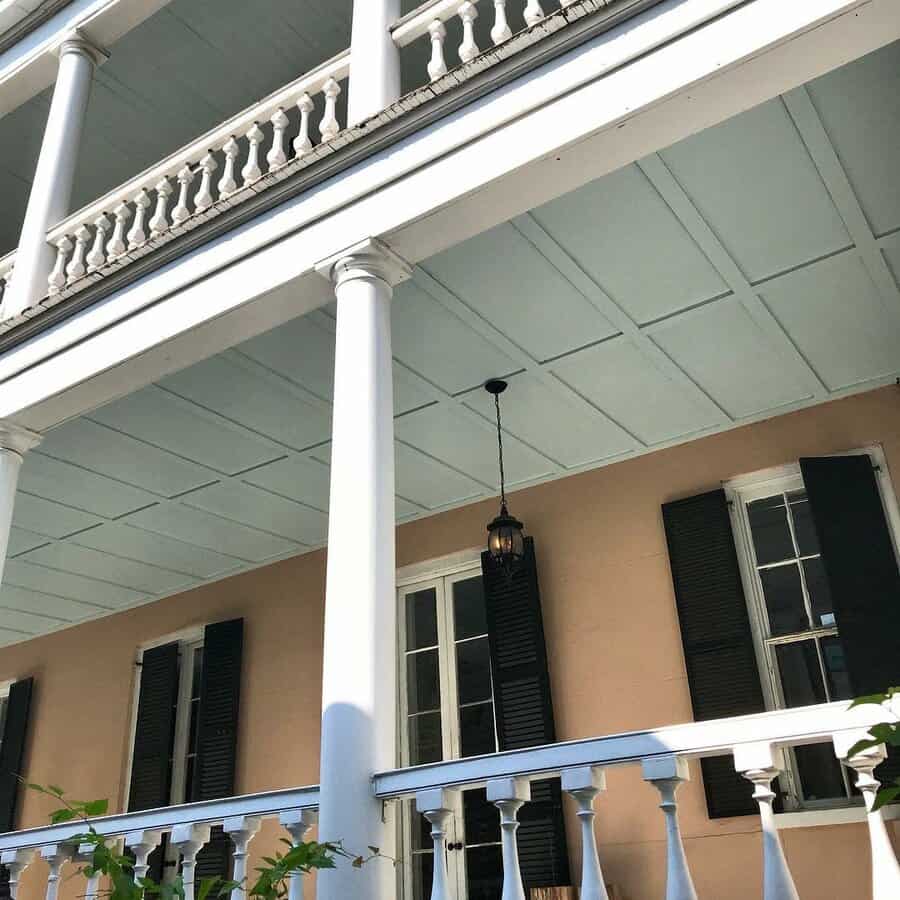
(506, 534)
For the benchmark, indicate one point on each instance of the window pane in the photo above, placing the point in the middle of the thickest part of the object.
(819, 593)
(420, 828)
(423, 684)
(769, 527)
(423, 873)
(476, 730)
(482, 821)
(425, 739)
(484, 873)
(801, 676)
(784, 599)
(421, 619)
(836, 669)
(469, 615)
(804, 527)
(473, 661)
(820, 772)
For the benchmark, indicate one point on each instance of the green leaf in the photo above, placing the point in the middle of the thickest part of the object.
(96, 807)
(885, 796)
(869, 700)
(61, 815)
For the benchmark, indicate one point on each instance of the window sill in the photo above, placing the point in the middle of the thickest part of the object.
(842, 815)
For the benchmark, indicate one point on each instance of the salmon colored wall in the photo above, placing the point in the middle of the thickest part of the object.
(612, 635)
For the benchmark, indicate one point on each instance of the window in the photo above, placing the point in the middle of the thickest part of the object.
(4, 696)
(447, 712)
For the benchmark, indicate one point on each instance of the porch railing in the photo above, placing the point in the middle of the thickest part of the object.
(188, 829)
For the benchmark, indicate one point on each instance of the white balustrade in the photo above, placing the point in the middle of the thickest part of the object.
(246, 149)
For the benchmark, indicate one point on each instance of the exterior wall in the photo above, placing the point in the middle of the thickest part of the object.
(612, 634)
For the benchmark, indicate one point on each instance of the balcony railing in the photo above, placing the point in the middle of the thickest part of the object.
(758, 743)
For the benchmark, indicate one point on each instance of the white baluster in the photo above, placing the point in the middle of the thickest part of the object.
(189, 840)
(468, 49)
(116, 246)
(761, 764)
(533, 12)
(501, 31)
(16, 862)
(76, 267)
(182, 211)
(436, 806)
(137, 234)
(252, 172)
(142, 844)
(509, 795)
(297, 823)
(437, 65)
(57, 280)
(885, 868)
(227, 183)
(56, 856)
(302, 143)
(241, 830)
(203, 199)
(329, 126)
(277, 157)
(667, 774)
(85, 858)
(159, 224)
(97, 257)
(583, 784)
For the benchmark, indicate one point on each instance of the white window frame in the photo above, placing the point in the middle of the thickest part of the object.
(4, 696)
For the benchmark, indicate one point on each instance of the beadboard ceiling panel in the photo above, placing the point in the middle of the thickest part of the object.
(746, 272)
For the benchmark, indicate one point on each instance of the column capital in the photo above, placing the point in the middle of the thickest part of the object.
(17, 439)
(76, 42)
(367, 259)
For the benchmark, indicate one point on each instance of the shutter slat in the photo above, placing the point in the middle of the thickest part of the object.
(12, 750)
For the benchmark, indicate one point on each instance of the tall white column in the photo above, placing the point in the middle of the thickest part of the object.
(14, 443)
(54, 176)
(359, 696)
(374, 59)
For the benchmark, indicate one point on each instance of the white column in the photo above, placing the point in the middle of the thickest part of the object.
(14, 443)
(583, 784)
(374, 59)
(359, 699)
(51, 189)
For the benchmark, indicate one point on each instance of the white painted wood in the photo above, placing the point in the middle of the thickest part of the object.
(16, 862)
(468, 49)
(159, 224)
(374, 59)
(251, 171)
(182, 211)
(501, 31)
(142, 844)
(57, 279)
(241, 830)
(203, 199)
(96, 259)
(116, 246)
(584, 784)
(761, 763)
(329, 126)
(359, 674)
(56, 856)
(437, 807)
(277, 157)
(509, 795)
(437, 65)
(14, 443)
(137, 234)
(534, 12)
(302, 143)
(667, 774)
(297, 823)
(189, 840)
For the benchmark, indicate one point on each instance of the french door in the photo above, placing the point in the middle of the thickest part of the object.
(447, 712)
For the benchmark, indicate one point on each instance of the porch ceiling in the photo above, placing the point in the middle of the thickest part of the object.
(744, 272)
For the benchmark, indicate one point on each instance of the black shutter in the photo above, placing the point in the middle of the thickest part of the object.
(12, 750)
(220, 692)
(715, 631)
(524, 709)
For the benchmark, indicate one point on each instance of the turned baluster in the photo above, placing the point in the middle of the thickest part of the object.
(437, 65)
(159, 224)
(583, 784)
(667, 774)
(885, 868)
(57, 278)
(533, 12)
(302, 143)
(182, 211)
(468, 49)
(116, 246)
(76, 267)
(277, 157)
(97, 257)
(241, 830)
(501, 31)
(203, 199)
(189, 840)
(761, 764)
(251, 171)
(329, 126)
(297, 823)
(86, 858)
(56, 856)
(137, 234)
(15, 862)
(142, 844)
(509, 795)
(436, 806)
(227, 183)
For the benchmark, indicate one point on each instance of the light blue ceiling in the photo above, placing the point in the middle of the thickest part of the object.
(747, 271)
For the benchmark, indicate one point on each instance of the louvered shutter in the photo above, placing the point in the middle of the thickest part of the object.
(220, 691)
(723, 675)
(12, 750)
(524, 709)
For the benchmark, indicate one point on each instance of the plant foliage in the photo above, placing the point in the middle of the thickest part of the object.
(887, 733)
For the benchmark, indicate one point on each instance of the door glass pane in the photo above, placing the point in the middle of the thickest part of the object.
(804, 528)
(423, 873)
(484, 872)
(836, 669)
(425, 739)
(820, 772)
(476, 730)
(473, 662)
(801, 675)
(421, 619)
(784, 599)
(469, 614)
(819, 593)
(770, 530)
(423, 682)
